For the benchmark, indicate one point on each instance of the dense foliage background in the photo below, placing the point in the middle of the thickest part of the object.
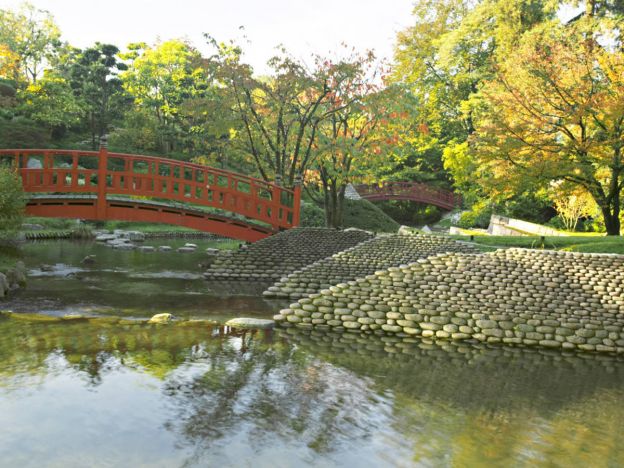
(515, 104)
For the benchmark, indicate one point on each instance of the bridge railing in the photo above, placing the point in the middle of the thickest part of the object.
(410, 190)
(104, 173)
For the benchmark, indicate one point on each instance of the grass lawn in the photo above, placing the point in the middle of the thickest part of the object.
(574, 243)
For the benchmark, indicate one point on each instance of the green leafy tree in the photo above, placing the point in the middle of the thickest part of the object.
(93, 77)
(160, 79)
(51, 102)
(29, 39)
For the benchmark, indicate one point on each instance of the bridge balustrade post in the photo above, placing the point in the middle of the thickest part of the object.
(296, 217)
(102, 169)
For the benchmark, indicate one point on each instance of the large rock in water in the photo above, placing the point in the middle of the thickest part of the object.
(244, 322)
(4, 285)
(16, 276)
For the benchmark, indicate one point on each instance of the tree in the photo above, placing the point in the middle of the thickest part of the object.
(356, 140)
(30, 38)
(93, 77)
(444, 58)
(51, 102)
(160, 79)
(571, 202)
(279, 115)
(554, 112)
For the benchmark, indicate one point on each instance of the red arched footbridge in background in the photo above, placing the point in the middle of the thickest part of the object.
(98, 185)
(412, 191)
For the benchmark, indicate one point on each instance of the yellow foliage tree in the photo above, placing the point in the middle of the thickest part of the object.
(555, 111)
(572, 203)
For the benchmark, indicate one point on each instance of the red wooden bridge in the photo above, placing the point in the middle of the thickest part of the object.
(413, 191)
(98, 185)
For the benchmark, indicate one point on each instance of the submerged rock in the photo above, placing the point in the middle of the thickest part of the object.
(245, 322)
(88, 260)
(161, 318)
(146, 248)
(164, 248)
(105, 237)
(74, 316)
(124, 246)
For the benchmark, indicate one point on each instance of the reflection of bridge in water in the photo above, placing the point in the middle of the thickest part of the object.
(113, 186)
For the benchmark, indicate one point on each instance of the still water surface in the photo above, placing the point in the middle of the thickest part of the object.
(104, 394)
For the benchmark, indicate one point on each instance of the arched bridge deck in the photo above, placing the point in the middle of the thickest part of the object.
(412, 191)
(99, 185)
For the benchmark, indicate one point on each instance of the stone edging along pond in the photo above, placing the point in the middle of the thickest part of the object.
(520, 297)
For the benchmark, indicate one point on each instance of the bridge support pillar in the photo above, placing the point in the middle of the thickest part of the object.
(102, 168)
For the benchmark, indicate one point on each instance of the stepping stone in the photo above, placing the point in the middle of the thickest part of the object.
(255, 323)
(161, 318)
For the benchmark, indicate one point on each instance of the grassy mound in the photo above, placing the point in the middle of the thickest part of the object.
(363, 214)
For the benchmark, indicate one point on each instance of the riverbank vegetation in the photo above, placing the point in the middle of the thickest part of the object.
(12, 202)
(517, 105)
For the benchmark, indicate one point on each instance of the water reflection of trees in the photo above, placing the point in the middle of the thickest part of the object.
(322, 394)
(271, 395)
(94, 348)
(491, 406)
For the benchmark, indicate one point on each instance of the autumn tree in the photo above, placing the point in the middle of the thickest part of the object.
(572, 203)
(356, 139)
(279, 114)
(444, 57)
(554, 112)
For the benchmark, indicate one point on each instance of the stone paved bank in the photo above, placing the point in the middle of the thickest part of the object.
(516, 296)
(364, 259)
(283, 253)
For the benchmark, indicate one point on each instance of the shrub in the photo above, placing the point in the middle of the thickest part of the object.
(12, 201)
(312, 215)
(478, 216)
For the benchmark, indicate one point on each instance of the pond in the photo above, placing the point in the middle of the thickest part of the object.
(100, 393)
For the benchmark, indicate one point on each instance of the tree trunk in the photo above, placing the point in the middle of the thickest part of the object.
(612, 218)
(334, 204)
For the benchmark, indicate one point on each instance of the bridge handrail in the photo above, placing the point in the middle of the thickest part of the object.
(207, 186)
